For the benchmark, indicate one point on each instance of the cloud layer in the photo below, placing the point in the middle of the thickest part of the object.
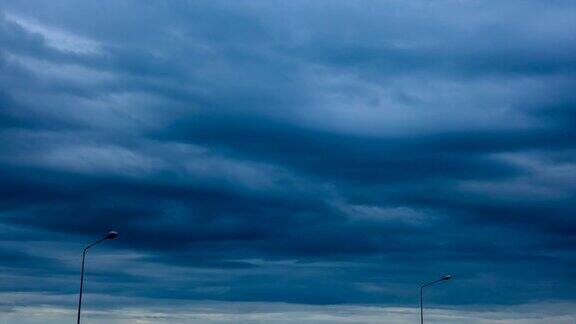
(326, 152)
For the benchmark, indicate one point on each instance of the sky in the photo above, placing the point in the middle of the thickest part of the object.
(271, 161)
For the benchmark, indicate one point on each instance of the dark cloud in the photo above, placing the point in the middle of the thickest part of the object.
(320, 153)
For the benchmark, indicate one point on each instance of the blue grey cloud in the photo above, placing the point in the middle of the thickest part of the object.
(305, 152)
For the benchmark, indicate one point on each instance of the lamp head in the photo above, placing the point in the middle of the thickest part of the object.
(447, 277)
(111, 235)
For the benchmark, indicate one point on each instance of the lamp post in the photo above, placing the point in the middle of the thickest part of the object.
(446, 277)
(110, 236)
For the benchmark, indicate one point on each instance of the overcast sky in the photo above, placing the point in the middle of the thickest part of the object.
(288, 161)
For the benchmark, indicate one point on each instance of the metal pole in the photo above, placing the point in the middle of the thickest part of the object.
(81, 286)
(421, 306)
(82, 276)
(448, 277)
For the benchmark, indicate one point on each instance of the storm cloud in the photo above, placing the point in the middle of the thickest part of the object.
(306, 152)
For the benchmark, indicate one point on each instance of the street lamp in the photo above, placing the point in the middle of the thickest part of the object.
(446, 277)
(110, 236)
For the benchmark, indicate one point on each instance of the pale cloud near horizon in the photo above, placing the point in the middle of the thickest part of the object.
(246, 313)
